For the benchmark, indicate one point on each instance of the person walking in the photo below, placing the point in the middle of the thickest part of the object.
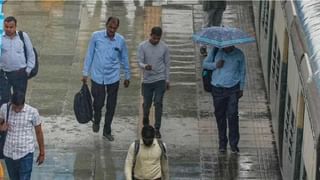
(19, 144)
(147, 158)
(14, 67)
(228, 79)
(154, 61)
(106, 52)
(214, 12)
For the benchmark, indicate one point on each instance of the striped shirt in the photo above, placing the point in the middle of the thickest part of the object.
(20, 139)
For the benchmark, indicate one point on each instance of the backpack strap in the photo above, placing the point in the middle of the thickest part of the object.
(163, 149)
(24, 44)
(136, 151)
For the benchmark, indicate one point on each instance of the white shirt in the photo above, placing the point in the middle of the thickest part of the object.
(20, 139)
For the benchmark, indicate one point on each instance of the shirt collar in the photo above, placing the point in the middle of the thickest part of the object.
(111, 39)
(4, 33)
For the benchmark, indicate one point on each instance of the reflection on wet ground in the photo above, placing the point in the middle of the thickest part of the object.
(60, 30)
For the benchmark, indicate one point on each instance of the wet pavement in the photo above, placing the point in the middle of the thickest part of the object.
(60, 30)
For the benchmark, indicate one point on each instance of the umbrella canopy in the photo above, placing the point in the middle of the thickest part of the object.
(222, 36)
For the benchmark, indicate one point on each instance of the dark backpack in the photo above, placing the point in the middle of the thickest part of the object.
(136, 151)
(34, 70)
(82, 105)
(207, 74)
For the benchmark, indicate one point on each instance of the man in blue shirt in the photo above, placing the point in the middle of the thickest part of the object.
(106, 52)
(14, 68)
(228, 78)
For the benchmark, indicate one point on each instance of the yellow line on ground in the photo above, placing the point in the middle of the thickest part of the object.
(1, 171)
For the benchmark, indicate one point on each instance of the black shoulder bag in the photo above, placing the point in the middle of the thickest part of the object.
(207, 74)
(3, 134)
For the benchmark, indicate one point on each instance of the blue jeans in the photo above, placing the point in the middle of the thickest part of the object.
(20, 169)
(225, 101)
(153, 92)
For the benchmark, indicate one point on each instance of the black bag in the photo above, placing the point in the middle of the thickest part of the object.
(34, 70)
(3, 134)
(207, 74)
(82, 105)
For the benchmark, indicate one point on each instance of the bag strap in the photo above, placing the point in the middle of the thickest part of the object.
(215, 51)
(136, 151)
(24, 45)
(8, 111)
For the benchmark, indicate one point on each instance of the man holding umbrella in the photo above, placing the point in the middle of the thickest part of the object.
(228, 79)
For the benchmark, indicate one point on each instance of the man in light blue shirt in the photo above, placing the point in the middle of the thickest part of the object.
(14, 68)
(228, 79)
(106, 52)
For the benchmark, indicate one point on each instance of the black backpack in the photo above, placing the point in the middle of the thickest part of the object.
(34, 70)
(207, 74)
(82, 105)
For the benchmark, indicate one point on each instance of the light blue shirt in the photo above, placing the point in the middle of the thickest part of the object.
(12, 53)
(104, 57)
(232, 72)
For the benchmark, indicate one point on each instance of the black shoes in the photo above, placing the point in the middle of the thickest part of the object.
(95, 127)
(145, 121)
(157, 134)
(235, 150)
(222, 149)
(108, 136)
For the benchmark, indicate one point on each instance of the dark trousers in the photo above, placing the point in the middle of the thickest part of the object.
(99, 93)
(153, 92)
(225, 102)
(15, 80)
(20, 169)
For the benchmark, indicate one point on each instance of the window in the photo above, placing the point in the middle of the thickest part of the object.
(289, 127)
(265, 16)
(275, 63)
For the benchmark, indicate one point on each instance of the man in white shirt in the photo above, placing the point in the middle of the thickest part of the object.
(15, 63)
(19, 144)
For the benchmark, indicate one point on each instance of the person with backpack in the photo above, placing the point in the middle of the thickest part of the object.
(147, 158)
(17, 59)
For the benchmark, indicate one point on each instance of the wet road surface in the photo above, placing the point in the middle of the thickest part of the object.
(60, 30)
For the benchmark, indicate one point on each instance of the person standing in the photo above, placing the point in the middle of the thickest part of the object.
(19, 144)
(228, 79)
(154, 61)
(14, 68)
(148, 158)
(106, 52)
(214, 12)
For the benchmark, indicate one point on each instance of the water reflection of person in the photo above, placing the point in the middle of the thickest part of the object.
(99, 161)
(214, 11)
(233, 166)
